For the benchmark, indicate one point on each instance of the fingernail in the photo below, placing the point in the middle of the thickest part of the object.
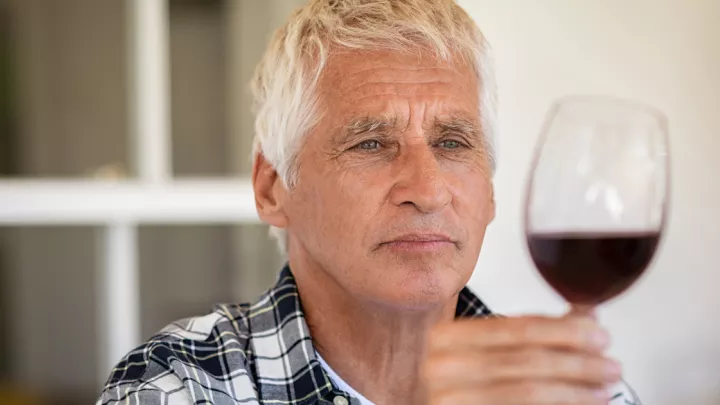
(602, 394)
(613, 368)
(600, 338)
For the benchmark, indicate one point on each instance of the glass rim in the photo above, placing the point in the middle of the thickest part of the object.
(607, 99)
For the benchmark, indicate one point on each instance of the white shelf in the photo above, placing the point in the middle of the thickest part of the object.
(89, 202)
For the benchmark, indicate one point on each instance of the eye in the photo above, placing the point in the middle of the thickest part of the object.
(451, 144)
(370, 144)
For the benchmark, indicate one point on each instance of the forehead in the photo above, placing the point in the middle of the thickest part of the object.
(382, 82)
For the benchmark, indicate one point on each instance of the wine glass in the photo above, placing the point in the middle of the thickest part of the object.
(597, 197)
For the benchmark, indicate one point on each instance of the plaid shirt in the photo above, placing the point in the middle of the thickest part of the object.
(241, 354)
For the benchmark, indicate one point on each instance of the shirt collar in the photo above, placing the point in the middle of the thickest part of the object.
(279, 311)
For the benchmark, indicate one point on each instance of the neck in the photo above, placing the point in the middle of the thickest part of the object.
(376, 348)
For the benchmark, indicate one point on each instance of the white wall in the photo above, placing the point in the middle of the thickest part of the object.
(665, 52)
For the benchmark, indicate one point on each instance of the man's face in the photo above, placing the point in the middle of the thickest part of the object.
(394, 190)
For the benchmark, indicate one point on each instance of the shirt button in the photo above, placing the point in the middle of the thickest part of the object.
(340, 400)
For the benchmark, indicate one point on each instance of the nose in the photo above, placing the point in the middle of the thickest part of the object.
(420, 181)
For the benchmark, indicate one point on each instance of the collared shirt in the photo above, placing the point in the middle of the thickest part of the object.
(341, 384)
(241, 354)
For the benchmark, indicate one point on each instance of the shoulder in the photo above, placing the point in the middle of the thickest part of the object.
(206, 355)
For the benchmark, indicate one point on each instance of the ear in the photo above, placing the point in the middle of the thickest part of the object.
(269, 190)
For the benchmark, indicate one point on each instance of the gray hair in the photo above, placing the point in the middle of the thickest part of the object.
(285, 101)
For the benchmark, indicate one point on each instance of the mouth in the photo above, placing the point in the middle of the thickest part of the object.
(419, 242)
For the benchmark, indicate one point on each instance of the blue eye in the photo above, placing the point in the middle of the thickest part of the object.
(369, 145)
(450, 144)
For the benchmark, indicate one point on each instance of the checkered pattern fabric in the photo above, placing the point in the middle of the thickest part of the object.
(239, 354)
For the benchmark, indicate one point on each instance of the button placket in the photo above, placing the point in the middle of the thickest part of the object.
(340, 400)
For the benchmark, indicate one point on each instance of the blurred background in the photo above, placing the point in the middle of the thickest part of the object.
(110, 104)
(67, 100)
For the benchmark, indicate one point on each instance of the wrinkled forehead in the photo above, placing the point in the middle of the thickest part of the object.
(367, 83)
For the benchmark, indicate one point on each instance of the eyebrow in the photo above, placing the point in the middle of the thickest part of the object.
(358, 127)
(355, 129)
(458, 125)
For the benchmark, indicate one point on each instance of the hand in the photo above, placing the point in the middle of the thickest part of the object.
(519, 361)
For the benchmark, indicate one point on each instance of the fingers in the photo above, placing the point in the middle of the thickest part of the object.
(526, 360)
(452, 370)
(522, 393)
(575, 333)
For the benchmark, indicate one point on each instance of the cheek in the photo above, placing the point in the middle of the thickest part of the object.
(357, 199)
(474, 198)
(340, 206)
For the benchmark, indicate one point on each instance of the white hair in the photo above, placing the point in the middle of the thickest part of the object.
(284, 85)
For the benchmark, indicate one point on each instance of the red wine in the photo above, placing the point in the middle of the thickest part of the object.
(591, 268)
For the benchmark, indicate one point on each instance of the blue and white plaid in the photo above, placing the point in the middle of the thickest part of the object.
(241, 354)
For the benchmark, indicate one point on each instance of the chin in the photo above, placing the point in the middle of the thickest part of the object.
(416, 287)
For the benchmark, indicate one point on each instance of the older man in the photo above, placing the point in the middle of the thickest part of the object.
(373, 166)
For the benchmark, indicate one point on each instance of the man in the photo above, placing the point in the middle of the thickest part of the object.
(373, 165)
